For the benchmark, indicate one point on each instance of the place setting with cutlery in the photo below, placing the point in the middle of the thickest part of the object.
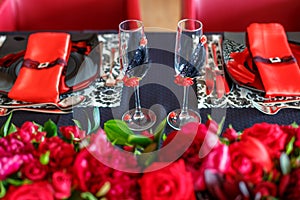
(254, 78)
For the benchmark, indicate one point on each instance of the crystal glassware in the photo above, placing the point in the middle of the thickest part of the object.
(134, 60)
(190, 58)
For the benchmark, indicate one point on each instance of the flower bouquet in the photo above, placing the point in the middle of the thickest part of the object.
(197, 162)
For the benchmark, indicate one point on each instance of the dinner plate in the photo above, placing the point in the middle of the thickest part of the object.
(81, 69)
(230, 46)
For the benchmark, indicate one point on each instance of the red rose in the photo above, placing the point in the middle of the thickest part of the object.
(249, 160)
(91, 175)
(35, 191)
(62, 182)
(34, 170)
(217, 160)
(230, 134)
(292, 191)
(72, 132)
(62, 154)
(29, 132)
(265, 189)
(271, 135)
(172, 182)
(292, 131)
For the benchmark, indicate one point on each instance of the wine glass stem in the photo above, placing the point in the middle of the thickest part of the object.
(184, 114)
(138, 115)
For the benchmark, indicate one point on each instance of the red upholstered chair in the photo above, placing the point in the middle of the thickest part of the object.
(236, 15)
(77, 15)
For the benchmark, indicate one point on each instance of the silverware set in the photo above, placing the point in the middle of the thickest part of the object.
(274, 108)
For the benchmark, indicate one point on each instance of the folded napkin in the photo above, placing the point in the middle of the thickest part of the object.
(274, 59)
(46, 55)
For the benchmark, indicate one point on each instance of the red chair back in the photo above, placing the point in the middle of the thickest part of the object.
(77, 15)
(236, 15)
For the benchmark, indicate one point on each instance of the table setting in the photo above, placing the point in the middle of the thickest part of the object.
(144, 115)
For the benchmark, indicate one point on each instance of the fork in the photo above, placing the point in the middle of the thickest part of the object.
(271, 109)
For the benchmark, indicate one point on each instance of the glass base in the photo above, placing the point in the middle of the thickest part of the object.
(176, 122)
(139, 124)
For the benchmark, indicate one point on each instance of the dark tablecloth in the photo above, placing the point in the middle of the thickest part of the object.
(159, 93)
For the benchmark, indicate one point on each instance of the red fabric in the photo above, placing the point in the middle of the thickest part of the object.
(77, 15)
(236, 15)
(42, 85)
(269, 41)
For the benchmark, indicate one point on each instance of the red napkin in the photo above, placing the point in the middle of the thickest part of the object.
(276, 64)
(46, 56)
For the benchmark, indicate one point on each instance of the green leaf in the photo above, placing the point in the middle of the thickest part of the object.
(5, 128)
(117, 131)
(12, 128)
(295, 125)
(290, 145)
(89, 124)
(220, 126)
(160, 130)
(88, 196)
(96, 117)
(77, 123)
(104, 189)
(45, 158)
(2, 190)
(51, 128)
(17, 182)
(285, 164)
(141, 140)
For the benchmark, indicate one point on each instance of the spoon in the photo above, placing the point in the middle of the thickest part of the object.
(65, 104)
(271, 109)
(7, 111)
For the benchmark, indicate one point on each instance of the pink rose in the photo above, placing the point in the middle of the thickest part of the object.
(271, 135)
(172, 182)
(72, 132)
(249, 160)
(34, 170)
(35, 191)
(13, 154)
(62, 154)
(62, 182)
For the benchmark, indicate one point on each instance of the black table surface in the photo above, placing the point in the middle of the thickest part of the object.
(158, 92)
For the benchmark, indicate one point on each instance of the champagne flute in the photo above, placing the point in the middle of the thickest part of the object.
(190, 58)
(134, 60)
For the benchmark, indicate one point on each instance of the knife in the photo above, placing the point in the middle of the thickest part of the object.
(2, 40)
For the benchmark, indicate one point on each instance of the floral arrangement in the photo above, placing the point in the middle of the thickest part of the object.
(199, 162)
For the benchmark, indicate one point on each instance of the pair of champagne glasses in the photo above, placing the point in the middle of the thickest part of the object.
(134, 59)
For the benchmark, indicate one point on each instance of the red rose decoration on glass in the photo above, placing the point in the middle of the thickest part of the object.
(172, 182)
